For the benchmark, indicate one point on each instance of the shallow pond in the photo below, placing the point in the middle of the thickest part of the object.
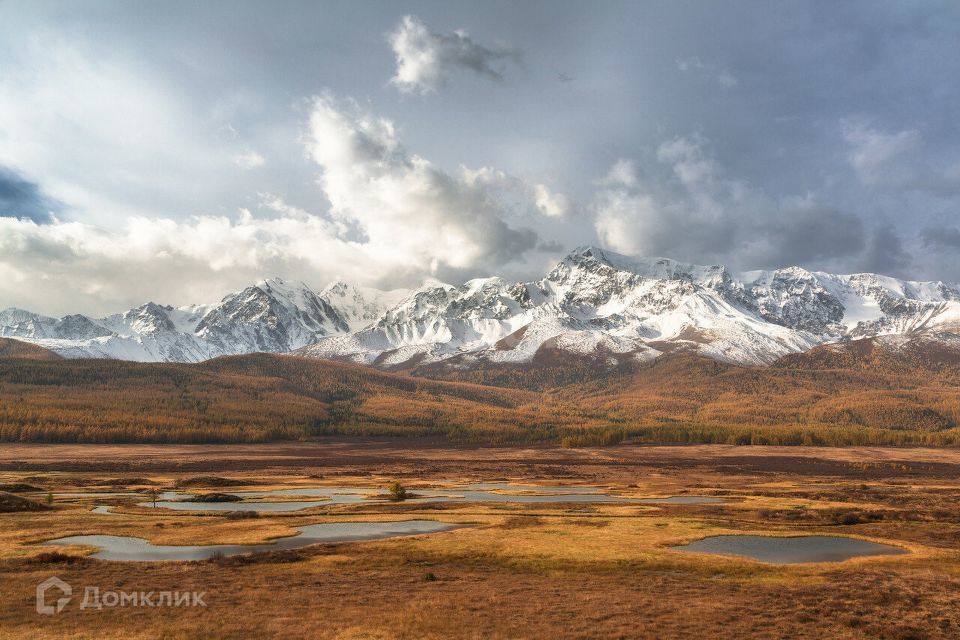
(96, 494)
(790, 550)
(260, 507)
(506, 486)
(137, 549)
(686, 500)
(358, 495)
(478, 492)
(103, 509)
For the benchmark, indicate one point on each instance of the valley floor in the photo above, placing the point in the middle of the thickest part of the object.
(515, 570)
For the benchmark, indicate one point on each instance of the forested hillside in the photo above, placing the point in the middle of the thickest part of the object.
(856, 393)
(18, 349)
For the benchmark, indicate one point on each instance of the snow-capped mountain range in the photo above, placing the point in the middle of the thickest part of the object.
(594, 302)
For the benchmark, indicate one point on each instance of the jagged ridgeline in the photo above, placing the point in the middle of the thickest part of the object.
(593, 304)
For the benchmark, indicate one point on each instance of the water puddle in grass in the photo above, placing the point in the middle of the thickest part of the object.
(96, 494)
(790, 550)
(361, 495)
(686, 500)
(260, 507)
(140, 550)
(506, 486)
(103, 509)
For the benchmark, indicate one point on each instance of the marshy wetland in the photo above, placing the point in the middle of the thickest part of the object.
(477, 492)
(507, 543)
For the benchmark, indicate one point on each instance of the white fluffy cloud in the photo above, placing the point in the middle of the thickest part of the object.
(426, 59)
(553, 205)
(409, 211)
(75, 267)
(394, 218)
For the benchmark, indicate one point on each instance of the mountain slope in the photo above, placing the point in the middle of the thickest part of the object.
(854, 387)
(250, 398)
(856, 393)
(19, 349)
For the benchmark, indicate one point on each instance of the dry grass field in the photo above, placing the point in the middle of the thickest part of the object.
(531, 570)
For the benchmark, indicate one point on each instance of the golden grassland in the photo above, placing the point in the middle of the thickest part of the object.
(515, 570)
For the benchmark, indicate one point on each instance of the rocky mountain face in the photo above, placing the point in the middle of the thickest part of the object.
(593, 303)
(272, 316)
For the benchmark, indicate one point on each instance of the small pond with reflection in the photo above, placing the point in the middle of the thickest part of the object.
(790, 550)
(137, 549)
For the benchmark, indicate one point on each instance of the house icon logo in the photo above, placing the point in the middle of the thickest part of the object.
(66, 592)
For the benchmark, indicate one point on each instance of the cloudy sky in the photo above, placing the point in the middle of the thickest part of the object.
(176, 151)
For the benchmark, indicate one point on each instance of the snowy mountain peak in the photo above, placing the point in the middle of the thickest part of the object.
(360, 306)
(292, 291)
(593, 302)
(338, 288)
(150, 318)
(653, 268)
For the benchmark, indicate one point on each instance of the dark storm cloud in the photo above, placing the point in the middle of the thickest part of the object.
(941, 238)
(688, 207)
(885, 253)
(808, 236)
(20, 198)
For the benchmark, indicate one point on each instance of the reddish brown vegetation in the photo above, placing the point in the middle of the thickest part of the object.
(842, 395)
(17, 349)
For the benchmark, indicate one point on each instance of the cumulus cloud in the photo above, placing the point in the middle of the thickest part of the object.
(426, 59)
(411, 212)
(686, 207)
(70, 266)
(394, 218)
(553, 205)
